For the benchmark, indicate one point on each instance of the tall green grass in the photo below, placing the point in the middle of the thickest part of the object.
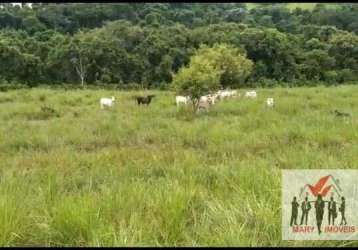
(155, 176)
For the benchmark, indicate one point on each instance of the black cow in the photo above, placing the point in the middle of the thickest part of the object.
(338, 113)
(144, 99)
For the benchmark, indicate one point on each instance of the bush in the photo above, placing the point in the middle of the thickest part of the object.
(345, 75)
(330, 76)
(45, 113)
(12, 86)
(267, 83)
(210, 68)
(161, 86)
(130, 86)
(42, 98)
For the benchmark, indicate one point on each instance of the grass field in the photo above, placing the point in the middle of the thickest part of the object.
(144, 176)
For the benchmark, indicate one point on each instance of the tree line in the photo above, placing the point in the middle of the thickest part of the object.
(145, 44)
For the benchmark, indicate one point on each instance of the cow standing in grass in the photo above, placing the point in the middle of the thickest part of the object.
(251, 94)
(106, 102)
(269, 102)
(205, 102)
(182, 100)
(144, 99)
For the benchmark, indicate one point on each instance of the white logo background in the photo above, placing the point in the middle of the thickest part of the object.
(293, 182)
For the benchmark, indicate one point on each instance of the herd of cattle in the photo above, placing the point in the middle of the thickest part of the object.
(204, 101)
(210, 99)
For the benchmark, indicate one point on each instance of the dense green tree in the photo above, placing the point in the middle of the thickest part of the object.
(231, 62)
(146, 43)
(196, 80)
(344, 47)
(212, 67)
(272, 48)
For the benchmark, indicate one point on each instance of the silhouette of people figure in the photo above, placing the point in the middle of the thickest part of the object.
(342, 209)
(305, 207)
(319, 206)
(332, 211)
(294, 211)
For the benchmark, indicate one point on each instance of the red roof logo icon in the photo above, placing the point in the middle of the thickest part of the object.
(321, 188)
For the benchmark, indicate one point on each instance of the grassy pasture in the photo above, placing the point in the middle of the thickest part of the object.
(142, 176)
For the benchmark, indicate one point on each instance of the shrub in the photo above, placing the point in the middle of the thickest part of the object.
(44, 114)
(210, 68)
(12, 86)
(345, 75)
(330, 76)
(42, 98)
(268, 83)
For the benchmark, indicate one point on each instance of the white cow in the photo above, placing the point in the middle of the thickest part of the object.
(107, 102)
(234, 93)
(222, 94)
(251, 94)
(207, 99)
(204, 103)
(214, 97)
(211, 98)
(182, 99)
(269, 102)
